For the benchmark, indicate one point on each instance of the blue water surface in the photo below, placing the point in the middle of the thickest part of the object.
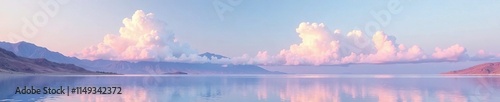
(261, 88)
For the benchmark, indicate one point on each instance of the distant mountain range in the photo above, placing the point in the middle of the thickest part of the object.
(30, 50)
(11, 63)
(211, 55)
(486, 68)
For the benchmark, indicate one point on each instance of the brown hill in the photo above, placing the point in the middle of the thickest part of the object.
(487, 68)
(11, 63)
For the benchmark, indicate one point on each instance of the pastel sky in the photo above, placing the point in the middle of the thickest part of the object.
(253, 27)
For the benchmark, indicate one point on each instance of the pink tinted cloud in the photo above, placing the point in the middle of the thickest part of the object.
(452, 53)
(320, 46)
(143, 37)
(388, 51)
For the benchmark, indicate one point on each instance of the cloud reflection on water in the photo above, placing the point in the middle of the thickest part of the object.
(288, 88)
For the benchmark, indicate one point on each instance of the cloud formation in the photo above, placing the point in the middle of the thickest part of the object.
(452, 53)
(143, 37)
(483, 55)
(320, 46)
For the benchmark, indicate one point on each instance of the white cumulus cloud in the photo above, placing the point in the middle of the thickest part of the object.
(452, 53)
(320, 46)
(143, 37)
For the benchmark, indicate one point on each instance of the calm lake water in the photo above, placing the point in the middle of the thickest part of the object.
(265, 88)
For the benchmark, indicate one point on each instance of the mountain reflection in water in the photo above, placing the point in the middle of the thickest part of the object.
(251, 88)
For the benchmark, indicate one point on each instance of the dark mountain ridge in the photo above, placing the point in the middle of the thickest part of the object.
(11, 63)
(212, 55)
